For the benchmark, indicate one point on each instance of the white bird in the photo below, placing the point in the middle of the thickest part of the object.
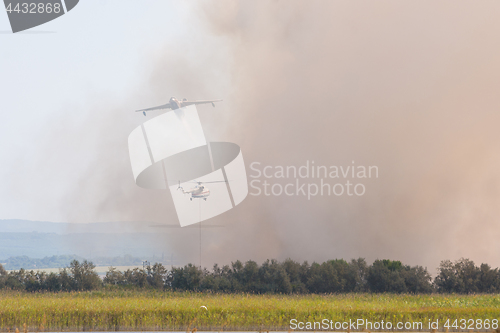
(203, 306)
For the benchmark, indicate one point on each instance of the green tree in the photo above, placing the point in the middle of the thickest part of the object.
(446, 281)
(185, 278)
(297, 274)
(417, 279)
(489, 279)
(15, 280)
(83, 275)
(114, 277)
(329, 277)
(384, 276)
(468, 276)
(66, 281)
(357, 276)
(248, 277)
(460, 277)
(156, 275)
(218, 280)
(237, 276)
(52, 283)
(273, 278)
(136, 277)
(34, 281)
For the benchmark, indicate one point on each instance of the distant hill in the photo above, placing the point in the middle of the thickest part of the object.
(89, 245)
(76, 228)
(15, 263)
(38, 239)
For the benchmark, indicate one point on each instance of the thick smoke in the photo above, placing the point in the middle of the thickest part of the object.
(407, 86)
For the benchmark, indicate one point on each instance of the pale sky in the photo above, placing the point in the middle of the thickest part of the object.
(56, 76)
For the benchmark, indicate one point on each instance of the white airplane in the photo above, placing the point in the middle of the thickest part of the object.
(199, 191)
(175, 104)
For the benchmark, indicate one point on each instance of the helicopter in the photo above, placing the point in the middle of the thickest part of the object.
(199, 191)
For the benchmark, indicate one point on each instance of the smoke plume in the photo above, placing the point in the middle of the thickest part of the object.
(409, 87)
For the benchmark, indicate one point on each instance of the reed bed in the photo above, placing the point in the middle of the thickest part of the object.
(170, 311)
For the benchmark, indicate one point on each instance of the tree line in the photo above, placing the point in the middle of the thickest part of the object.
(332, 276)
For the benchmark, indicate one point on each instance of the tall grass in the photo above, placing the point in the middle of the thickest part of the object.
(151, 310)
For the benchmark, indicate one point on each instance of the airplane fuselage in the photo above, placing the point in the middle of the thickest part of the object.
(175, 104)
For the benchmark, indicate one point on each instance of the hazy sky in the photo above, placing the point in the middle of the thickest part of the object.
(410, 87)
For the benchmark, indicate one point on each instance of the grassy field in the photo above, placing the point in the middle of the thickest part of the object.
(151, 310)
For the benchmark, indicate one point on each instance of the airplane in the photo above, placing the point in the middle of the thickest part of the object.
(199, 191)
(175, 104)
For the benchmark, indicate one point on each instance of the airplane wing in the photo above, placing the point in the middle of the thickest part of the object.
(186, 103)
(164, 106)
